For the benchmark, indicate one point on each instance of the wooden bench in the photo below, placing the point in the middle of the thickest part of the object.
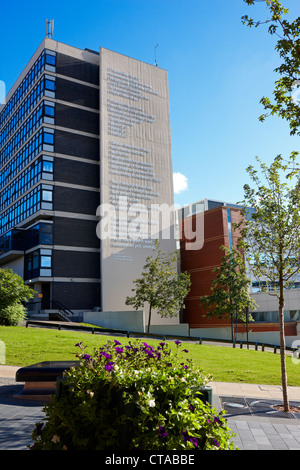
(41, 378)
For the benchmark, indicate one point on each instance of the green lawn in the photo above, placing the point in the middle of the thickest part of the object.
(25, 346)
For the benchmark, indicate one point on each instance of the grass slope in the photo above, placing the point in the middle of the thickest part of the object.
(26, 346)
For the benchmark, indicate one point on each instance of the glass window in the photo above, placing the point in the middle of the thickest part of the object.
(49, 111)
(48, 138)
(48, 166)
(50, 85)
(46, 195)
(50, 59)
(45, 261)
(46, 234)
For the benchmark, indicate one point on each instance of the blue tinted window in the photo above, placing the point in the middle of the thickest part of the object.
(50, 59)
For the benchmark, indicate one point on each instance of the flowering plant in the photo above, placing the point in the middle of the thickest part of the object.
(132, 396)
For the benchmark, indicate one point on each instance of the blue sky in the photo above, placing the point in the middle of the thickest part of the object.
(218, 71)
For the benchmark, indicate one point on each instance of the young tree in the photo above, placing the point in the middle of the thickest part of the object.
(287, 87)
(160, 286)
(230, 297)
(271, 235)
(13, 292)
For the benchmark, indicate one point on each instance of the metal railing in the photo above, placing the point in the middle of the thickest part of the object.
(61, 310)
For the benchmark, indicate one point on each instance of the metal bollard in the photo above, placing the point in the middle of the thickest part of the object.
(200, 340)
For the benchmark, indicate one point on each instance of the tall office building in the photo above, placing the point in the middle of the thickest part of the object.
(82, 131)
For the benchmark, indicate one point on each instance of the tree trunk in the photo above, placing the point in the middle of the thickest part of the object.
(282, 350)
(149, 319)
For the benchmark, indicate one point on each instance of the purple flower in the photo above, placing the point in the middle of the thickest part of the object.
(106, 355)
(185, 435)
(185, 350)
(217, 420)
(192, 408)
(194, 441)
(119, 350)
(116, 342)
(162, 344)
(177, 342)
(79, 344)
(87, 357)
(109, 366)
(216, 443)
(162, 432)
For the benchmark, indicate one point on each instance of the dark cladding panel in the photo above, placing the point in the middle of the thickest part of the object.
(77, 296)
(69, 143)
(75, 232)
(74, 118)
(77, 93)
(76, 200)
(76, 264)
(76, 68)
(74, 172)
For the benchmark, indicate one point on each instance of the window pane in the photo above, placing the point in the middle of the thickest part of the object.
(46, 195)
(45, 261)
(50, 85)
(49, 111)
(48, 167)
(50, 59)
(48, 138)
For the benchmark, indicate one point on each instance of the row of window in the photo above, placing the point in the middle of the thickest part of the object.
(38, 263)
(42, 168)
(272, 317)
(43, 140)
(46, 61)
(25, 239)
(44, 87)
(44, 112)
(39, 198)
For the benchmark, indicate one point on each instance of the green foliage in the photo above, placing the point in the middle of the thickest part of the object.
(230, 288)
(13, 292)
(132, 397)
(160, 286)
(271, 236)
(12, 315)
(286, 103)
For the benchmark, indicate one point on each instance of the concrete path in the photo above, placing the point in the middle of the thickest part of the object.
(259, 430)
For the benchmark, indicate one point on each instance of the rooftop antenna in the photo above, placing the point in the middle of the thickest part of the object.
(155, 55)
(49, 27)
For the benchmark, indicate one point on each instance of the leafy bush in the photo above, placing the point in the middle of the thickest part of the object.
(132, 396)
(13, 292)
(12, 315)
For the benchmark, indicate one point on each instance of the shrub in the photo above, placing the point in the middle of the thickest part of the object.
(134, 396)
(12, 315)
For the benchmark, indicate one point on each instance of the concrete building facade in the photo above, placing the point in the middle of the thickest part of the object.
(81, 130)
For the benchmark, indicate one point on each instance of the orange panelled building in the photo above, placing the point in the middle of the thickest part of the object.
(217, 219)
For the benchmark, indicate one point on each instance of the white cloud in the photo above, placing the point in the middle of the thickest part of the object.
(180, 183)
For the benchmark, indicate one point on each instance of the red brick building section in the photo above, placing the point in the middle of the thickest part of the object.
(200, 263)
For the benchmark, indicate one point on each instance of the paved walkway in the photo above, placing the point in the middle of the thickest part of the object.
(255, 430)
